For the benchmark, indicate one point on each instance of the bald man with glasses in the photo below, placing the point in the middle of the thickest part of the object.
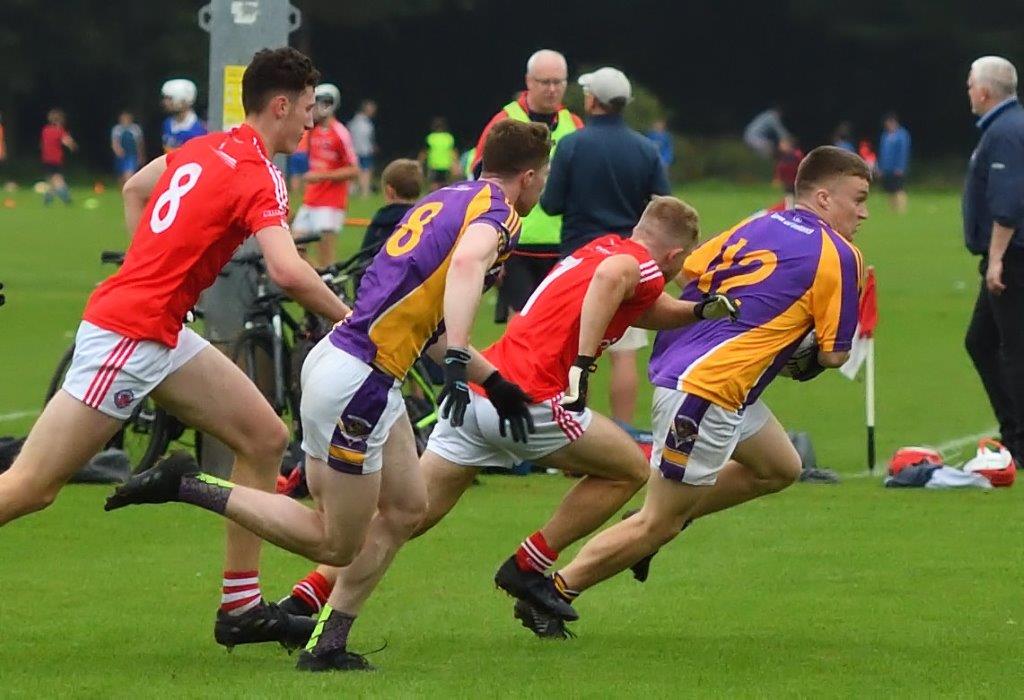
(538, 251)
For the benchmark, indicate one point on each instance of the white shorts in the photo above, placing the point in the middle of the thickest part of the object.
(478, 442)
(112, 373)
(694, 438)
(348, 408)
(318, 220)
(633, 339)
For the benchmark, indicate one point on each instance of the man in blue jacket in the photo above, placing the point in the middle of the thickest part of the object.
(993, 212)
(893, 159)
(601, 179)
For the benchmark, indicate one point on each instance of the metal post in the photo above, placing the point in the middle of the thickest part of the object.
(238, 29)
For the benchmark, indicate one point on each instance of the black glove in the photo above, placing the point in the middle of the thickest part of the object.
(803, 364)
(3, 297)
(714, 306)
(512, 405)
(809, 369)
(454, 396)
(575, 398)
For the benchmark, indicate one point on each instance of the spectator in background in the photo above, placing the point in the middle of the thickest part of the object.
(547, 77)
(993, 214)
(297, 166)
(128, 146)
(786, 163)
(52, 142)
(402, 184)
(867, 154)
(364, 140)
(440, 155)
(181, 124)
(601, 179)
(893, 159)
(3, 140)
(663, 142)
(332, 164)
(764, 132)
(843, 137)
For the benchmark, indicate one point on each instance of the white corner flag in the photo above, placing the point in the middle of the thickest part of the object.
(863, 351)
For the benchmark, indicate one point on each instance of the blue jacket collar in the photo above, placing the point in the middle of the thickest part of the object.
(607, 119)
(986, 119)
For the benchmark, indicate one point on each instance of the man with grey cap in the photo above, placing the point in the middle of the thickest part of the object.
(601, 179)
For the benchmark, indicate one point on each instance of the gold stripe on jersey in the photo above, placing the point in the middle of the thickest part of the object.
(347, 456)
(720, 374)
(675, 456)
(402, 330)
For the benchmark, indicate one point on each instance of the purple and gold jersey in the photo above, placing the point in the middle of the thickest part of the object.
(792, 273)
(400, 302)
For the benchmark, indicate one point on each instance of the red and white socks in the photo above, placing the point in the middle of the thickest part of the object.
(241, 592)
(313, 591)
(534, 554)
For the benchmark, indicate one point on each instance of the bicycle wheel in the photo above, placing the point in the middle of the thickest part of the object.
(254, 354)
(57, 381)
(143, 437)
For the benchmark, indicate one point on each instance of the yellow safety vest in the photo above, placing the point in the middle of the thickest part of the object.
(541, 228)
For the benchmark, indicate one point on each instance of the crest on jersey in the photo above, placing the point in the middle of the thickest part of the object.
(684, 429)
(124, 398)
(354, 428)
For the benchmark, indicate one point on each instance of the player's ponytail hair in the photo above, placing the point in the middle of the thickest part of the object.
(825, 163)
(274, 72)
(514, 147)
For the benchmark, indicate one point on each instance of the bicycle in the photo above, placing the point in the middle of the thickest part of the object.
(150, 430)
(274, 343)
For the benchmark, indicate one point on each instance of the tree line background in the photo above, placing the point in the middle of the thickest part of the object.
(708, 66)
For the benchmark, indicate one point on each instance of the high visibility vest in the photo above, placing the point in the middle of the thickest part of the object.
(440, 150)
(541, 228)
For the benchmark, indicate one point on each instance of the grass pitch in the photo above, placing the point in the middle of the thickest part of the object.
(846, 590)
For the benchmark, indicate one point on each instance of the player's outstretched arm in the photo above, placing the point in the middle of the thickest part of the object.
(137, 190)
(295, 276)
(667, 313)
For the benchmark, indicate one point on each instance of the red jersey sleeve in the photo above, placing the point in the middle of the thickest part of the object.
(348, 150)
(263, 199)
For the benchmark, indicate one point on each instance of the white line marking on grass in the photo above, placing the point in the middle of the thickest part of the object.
(953, 445)
(16, 415)
(966, 440)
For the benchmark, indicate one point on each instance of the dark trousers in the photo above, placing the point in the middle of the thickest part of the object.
(995, 342)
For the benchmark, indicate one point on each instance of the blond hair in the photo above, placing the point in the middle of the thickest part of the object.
(670, 219)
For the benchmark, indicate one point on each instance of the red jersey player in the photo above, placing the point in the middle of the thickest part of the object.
(332, 163)
(189, 210)
(585, 304)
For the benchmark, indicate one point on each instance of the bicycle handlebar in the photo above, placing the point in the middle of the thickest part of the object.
(112, 257)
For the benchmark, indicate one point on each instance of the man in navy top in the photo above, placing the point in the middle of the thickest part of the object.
(601, 179)
(893, 159)
(993, 212)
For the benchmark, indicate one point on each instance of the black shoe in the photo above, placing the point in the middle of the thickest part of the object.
(157, 485)
(540, 622)
(264, 623)
(533, 587)
(294, 605)
(337, 660)
(642, 569)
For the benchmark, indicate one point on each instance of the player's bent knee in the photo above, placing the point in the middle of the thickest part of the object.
(406, 517)
(338, 553)
(269, 443)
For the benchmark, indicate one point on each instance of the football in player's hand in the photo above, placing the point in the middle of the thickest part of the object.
(803, 363)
